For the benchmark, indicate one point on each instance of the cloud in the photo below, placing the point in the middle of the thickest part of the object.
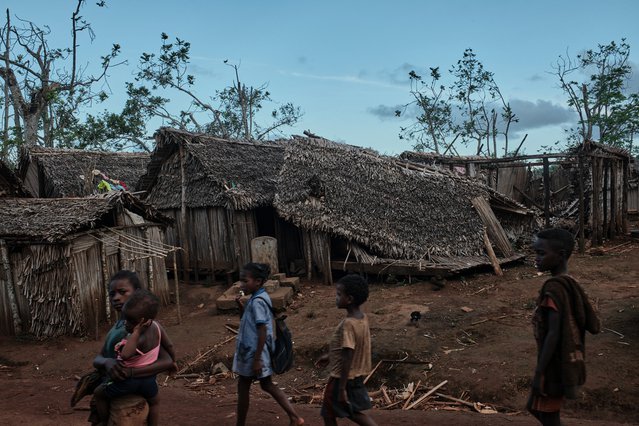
(387, 112)
(538, 114)
(200, 70)
(632, 86)
(399, 75)
(355, 79)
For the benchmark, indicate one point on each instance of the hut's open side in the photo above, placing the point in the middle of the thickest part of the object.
(58, 255)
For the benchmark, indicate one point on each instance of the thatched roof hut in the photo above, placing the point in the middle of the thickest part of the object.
(58, 255)
(10, 184)
(382, 207)
(233, 174)
(57, 173)
(229, 188)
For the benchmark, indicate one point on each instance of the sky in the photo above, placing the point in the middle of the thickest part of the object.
(345, 63)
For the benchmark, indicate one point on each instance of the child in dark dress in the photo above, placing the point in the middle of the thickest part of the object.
(560, 321)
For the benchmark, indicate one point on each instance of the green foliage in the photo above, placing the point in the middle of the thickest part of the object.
(601, 99)
(471, 109)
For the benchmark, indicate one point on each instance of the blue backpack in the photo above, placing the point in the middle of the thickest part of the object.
(282, 350)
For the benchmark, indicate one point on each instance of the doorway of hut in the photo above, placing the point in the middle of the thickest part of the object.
(290, 249)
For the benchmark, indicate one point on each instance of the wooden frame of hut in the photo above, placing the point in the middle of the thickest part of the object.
(366, 212)
(220, 194)
(59, 173)
(57, 256)
(587, 190)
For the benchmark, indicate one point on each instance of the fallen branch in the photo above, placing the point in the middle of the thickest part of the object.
(412, 394)
(621, 336)
(388, 407)
(385, 394)
(187, 376)
(231, 329)
(216, 346)
(452, 398)
(606, 250)
(426, 395)
(488, 319)
(372, 372)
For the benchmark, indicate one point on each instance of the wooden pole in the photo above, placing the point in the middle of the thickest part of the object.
(605, 198)
(546, 193)
(426, 395)
(595, 202)
(624, 196)
(177, 286)
(582, 242)
(105, 281)
(612, 227)
(307, 249)
(491, 255)
(184, 242)
(6, 267)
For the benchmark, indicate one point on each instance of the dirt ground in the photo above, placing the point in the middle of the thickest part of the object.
(485, 352)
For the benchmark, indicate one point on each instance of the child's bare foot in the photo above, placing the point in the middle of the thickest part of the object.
(296, 421)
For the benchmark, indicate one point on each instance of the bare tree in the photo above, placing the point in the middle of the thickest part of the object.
(44, 94)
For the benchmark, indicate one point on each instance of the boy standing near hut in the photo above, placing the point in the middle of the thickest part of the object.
(350, 357)
(560, 321)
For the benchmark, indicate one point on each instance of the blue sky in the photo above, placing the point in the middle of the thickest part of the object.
(341, 61)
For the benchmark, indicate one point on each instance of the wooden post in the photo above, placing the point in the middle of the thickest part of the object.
(13, 305)
(151, 276)
(236, 239)
(604, 165)
(177, 286)
(491, 255)
(612, 228)
(184, 241)
(307, 250)
(582, 215)
(546, 193)
(327, 253)
(595, 222)
(105, 279)
(624, 196)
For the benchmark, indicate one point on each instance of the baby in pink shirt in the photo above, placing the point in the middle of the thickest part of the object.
(140, 348)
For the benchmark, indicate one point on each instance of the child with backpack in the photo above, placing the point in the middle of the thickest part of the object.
(349, 357)
(255, 339)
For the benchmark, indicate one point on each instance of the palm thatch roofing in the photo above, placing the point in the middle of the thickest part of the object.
(10, 184)
(65, 171)
(379, 202)
(52, 219)
(237, 175)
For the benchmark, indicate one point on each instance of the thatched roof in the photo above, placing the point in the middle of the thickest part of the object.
(10, 184)
(219, 173)
(51, 219)
(65, 171)
(379, 202)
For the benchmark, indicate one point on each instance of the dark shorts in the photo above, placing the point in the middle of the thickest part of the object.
(146, 387)
(357, 397)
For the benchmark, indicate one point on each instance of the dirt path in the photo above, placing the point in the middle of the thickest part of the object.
(487, 354)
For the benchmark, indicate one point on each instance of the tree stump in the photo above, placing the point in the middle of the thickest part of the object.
(129, 410)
